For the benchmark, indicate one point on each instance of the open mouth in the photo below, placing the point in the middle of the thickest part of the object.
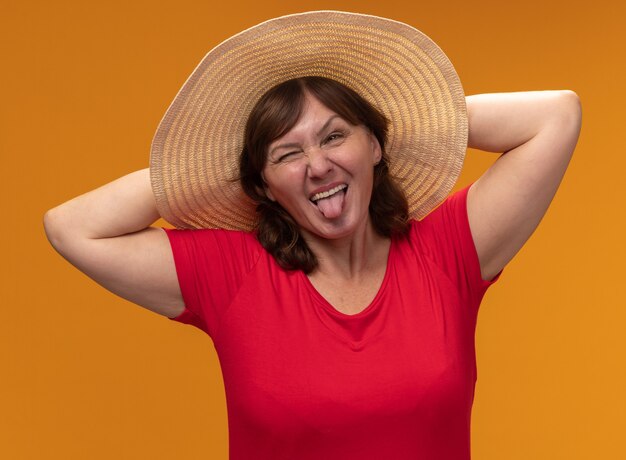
(328, 193)
(330, 203)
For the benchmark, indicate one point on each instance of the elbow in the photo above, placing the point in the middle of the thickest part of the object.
(53, 226)
(570, 108)
(567, 120)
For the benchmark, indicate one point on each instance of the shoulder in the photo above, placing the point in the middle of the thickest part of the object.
(444, 238)
(444, 234)
(209, 244)
(452, 212)
(208, 235)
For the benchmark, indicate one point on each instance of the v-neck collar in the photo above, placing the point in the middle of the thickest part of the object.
(359, 328)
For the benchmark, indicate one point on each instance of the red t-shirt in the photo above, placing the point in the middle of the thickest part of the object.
(305, 381)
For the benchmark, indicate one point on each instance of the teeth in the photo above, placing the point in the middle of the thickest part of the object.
(327, 193)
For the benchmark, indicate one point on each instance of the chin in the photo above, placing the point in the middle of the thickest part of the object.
(342, 227)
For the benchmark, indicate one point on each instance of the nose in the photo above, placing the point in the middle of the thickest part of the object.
(318, 162)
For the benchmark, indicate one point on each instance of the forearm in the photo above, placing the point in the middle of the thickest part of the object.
(500, 122)
(123, 206)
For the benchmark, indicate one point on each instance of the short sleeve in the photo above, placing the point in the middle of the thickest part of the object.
(446, 237)
(211, 265)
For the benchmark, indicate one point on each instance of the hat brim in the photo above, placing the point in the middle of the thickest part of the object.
(195, 151)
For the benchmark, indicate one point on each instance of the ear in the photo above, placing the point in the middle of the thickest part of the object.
(376, 150)
(268, 193)
(266, 189)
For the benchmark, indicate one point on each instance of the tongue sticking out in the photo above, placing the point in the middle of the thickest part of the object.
(332, 206)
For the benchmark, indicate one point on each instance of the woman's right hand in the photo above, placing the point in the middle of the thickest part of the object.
(106, 234)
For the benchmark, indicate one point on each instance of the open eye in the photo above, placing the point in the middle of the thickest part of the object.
(334, 137)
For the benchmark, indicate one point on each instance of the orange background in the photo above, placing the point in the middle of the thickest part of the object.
(87, 375)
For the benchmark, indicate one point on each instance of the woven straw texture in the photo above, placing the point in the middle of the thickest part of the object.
(194, 155)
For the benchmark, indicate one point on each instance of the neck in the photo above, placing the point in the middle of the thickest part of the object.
(351, 257)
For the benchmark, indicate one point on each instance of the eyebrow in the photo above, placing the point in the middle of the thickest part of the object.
(294, 145)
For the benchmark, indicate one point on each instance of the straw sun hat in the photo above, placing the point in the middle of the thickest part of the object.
(402, 72)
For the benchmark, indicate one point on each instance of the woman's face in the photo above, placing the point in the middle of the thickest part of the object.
(321, 172)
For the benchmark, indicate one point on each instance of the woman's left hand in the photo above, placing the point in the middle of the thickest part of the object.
(538, 131)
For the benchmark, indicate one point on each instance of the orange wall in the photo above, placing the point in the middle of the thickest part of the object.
(87, 375)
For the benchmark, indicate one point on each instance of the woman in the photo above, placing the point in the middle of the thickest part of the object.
(343, 325)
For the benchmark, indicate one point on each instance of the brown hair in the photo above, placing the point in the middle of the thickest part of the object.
(273, 116)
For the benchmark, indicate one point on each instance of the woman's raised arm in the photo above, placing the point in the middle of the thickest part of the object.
(106, 234)
(538, 131)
